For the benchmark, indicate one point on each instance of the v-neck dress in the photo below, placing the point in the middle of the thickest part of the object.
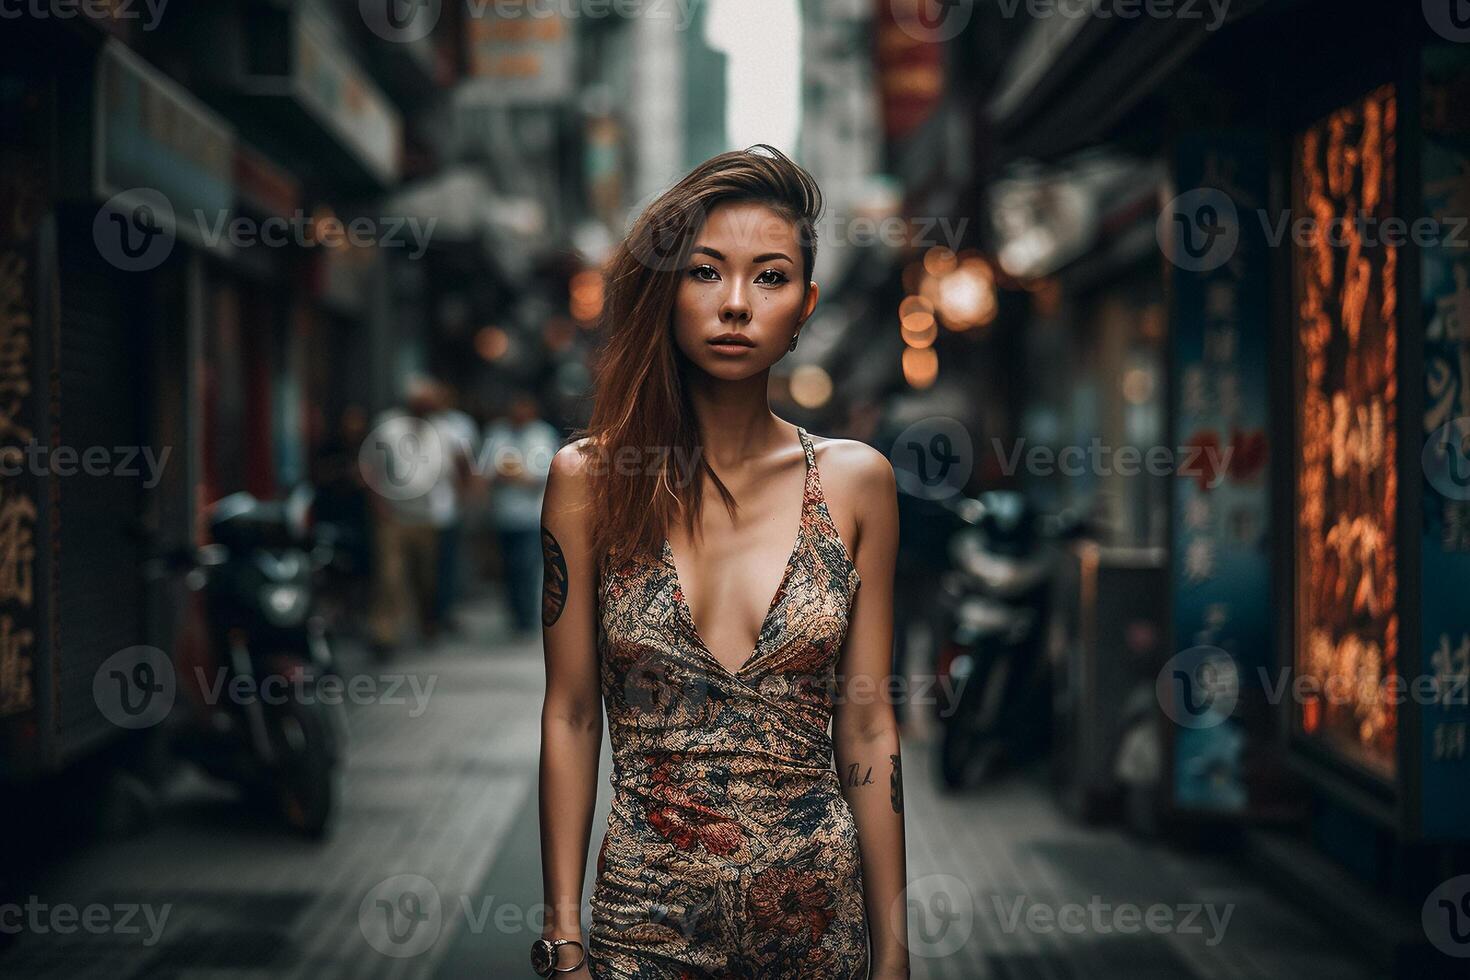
(730, 851)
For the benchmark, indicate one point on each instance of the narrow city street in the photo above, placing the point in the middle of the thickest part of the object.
(433, 867)
(1110, 357)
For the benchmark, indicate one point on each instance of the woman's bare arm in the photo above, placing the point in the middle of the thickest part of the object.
(864, 729)
(571, 716)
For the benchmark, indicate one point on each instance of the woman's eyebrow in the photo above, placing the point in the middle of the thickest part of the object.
(715, 253)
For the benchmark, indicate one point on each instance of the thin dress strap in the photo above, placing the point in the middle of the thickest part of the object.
(813, 500)
(806, 447)
(816, 497)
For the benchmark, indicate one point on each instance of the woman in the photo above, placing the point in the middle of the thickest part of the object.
(735, 847)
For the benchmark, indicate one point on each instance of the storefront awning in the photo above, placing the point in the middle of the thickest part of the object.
(466, 208)
(307, 99)
(1074, 75)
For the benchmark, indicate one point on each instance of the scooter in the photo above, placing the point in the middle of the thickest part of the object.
(992, 632)
(261, 721)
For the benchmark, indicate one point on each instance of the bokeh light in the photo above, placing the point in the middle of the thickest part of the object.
(586, 296)
(811, 386)
(492, 343)
(920, 366)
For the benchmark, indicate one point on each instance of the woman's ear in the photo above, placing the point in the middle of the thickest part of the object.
(813, 291)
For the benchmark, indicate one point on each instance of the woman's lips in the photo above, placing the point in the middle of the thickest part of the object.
(731, 343)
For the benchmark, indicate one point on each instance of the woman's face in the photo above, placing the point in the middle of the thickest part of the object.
(741, 296)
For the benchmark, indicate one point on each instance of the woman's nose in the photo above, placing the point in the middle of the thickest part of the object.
(735, 308)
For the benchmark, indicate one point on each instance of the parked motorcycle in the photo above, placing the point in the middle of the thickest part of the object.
(992, 636)
(260, 720)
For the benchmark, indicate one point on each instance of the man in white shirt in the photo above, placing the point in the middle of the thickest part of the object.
(518, 449)
(459, 436)
(402, 460)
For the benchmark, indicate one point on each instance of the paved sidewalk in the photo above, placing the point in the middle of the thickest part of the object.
(1003, 887)
(1054, 900)
(431, 788)
(434, 865)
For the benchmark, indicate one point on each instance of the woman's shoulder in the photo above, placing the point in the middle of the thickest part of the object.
(571, 459)
(568, 485)
(853, 464)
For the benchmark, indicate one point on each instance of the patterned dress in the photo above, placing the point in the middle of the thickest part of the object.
(730, 851)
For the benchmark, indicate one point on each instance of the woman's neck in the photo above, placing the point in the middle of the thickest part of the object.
(734, 418)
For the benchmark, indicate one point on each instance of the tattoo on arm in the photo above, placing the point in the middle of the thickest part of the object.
(554, 579)
(896, 784)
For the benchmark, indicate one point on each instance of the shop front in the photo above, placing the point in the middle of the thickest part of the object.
(103, 285)
(1316, 273)
(1378, 630)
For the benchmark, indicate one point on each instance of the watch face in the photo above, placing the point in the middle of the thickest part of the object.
(542, 953)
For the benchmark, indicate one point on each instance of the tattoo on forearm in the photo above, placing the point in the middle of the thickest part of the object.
(896, 784)
(857, 777)
(554, 579)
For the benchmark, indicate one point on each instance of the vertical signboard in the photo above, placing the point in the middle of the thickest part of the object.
(909, 56)
(1220, 560)
(1444, 743)
(1346, 334)
(23, 200)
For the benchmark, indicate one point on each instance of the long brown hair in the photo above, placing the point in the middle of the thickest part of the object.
(642, 436)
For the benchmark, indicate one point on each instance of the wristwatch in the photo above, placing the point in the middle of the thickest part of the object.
(546, 955)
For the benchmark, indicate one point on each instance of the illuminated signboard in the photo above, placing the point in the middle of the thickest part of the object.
(1346, 337)
(518, 58)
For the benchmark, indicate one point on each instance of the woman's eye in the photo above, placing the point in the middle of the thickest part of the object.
(771, 277)
(705, 273)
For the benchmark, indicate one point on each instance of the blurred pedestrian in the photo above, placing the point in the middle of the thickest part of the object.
(405, 454)
(459, 436)
(519, 449)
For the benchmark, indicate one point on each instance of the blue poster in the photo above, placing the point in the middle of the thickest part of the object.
(1220, 512)
(1444, 801)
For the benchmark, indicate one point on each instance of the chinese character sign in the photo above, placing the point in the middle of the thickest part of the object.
(1346, 337)
(1221, 575)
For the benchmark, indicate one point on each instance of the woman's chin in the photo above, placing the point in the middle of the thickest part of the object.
(728, 367)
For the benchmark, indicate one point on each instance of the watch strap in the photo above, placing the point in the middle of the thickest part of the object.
(556, 967)
(556, 947)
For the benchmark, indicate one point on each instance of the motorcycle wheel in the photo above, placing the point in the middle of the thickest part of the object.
(303, 782)
(970, 751)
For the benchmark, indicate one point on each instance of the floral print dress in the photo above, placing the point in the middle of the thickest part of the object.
(730, 851)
